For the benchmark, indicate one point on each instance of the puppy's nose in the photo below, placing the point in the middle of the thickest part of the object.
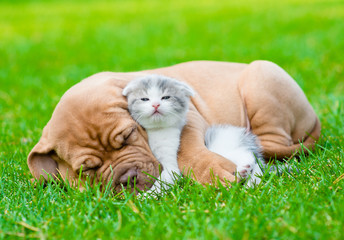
(155, 105)
(130, 177)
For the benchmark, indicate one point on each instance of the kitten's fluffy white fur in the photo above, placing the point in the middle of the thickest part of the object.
(160, 104)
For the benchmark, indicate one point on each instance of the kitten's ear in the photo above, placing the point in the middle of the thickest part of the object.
(129, 88)
(187, 89)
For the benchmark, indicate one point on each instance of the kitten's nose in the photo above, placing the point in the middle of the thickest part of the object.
(155, 105)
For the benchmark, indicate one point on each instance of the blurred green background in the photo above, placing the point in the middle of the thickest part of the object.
(48, 46)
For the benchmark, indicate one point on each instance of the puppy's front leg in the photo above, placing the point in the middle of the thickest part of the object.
(194, 156)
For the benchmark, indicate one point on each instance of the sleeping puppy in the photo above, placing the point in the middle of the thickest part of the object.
(92, 132)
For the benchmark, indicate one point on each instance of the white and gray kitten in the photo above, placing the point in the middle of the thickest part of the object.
(160, 105)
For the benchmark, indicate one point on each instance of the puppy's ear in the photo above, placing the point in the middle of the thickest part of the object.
(40, 159)
(187, 89)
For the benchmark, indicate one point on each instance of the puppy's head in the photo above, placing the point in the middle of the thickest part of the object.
(92, 133)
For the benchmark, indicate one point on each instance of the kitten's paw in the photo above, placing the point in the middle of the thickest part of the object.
(253, 181)
(255, 177)
(156, 190)
(244, 171)
(150, 194)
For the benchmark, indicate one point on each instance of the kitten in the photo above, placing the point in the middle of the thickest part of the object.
(241, 147)
(160, 105)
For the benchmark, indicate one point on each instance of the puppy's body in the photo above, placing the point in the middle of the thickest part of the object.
(160, 104)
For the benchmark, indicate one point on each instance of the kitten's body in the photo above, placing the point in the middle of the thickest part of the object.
(164, 144)
(145, 96)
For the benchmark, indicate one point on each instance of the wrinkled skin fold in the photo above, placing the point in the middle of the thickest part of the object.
(91, 131)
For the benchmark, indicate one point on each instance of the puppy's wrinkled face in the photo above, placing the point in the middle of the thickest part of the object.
(92, 132)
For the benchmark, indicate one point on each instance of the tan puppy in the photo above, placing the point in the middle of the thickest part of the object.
(91, 130)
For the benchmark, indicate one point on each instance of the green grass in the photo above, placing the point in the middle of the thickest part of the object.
(48, 46)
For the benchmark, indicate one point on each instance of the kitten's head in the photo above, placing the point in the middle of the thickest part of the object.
(156, 101)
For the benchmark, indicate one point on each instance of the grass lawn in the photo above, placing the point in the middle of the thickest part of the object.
(48, 46)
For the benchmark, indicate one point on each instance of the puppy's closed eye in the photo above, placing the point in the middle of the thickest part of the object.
(121, 138)
(88, 163)
(131, 135)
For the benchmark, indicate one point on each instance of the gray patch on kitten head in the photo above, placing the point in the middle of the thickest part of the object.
(178, 92)
(162, 82)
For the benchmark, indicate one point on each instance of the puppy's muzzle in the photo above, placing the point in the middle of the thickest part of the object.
(129, 178)
(132, 178)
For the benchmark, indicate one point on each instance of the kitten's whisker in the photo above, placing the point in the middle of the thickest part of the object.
(176, 115)
(138, 119)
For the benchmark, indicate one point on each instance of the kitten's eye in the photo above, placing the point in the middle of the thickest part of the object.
(144, 99)
(165, 97)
